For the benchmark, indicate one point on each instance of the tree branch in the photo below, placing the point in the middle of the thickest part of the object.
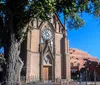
(24, 31)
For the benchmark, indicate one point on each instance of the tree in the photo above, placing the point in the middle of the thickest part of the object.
(16, 14)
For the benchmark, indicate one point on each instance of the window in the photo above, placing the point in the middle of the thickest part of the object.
(42, 41)
(47, 60)
(77, 59)
(71, 64)
(70, 52)
(73, 50)
(78, 64)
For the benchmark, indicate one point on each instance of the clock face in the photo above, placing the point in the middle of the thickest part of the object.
(47, 34)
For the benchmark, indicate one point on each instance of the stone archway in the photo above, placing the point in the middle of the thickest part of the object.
(47, 68)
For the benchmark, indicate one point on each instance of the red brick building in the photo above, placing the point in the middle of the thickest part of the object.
(78, 58)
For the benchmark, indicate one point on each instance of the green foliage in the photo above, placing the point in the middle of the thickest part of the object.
(23, 10)
(71, 8)
(75, 22)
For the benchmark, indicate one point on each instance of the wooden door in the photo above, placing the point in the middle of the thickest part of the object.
(45, 73)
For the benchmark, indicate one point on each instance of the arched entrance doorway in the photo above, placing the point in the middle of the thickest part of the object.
(47, 68)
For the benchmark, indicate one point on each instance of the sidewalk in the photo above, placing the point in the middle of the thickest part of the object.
(68, 83)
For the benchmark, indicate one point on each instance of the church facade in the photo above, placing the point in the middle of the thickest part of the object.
(45, 51)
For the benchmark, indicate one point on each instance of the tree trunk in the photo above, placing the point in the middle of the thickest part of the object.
(12, 58)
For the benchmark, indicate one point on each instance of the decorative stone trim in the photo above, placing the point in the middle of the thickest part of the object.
(58, 54)
(33, 52)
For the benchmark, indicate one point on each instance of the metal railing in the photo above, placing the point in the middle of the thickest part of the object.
(85, 78)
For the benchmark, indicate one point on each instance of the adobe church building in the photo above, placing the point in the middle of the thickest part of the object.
(79, 58)
(45, 51)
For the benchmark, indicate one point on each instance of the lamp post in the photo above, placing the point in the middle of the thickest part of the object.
(95, 77)
(86, 75)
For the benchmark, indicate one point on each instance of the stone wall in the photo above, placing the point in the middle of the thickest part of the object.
(58, 56)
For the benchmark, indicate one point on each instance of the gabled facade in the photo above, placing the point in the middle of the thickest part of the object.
(45, 51)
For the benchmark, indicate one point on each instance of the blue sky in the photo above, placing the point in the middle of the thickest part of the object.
(87, 38)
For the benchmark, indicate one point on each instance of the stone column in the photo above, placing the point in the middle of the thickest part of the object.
(41, 66)
(28, 61)
(68, 72)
